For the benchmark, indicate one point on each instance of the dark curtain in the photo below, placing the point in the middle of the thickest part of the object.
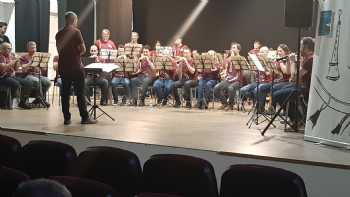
(116, 15)
(62, 7)
(32, 23)
(220, 23)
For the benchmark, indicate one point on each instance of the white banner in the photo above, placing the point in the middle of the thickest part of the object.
(328, 117)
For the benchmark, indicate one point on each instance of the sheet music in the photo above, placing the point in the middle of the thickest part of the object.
(106, 67)
(257, 63)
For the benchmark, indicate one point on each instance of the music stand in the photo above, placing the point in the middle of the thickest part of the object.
(258, 65)
(109, 54)
(41, 60)
(240, 64)
(133, 50)
(95, 70)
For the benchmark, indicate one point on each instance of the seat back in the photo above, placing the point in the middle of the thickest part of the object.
(257, 180)
(116, 167)
(9, 180)
(9, 149)
(41, 159)
(181, 175)
(80, 187)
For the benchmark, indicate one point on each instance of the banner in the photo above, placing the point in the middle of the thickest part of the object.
(328, 117)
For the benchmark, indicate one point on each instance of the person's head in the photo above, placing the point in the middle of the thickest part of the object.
(264, 51)
(235, 48)
(134, 37)
(211, 53)
(105, 34)
(178, 42)
(282, 50)
(307, 46)
(157, 44)
(31, 47)
(41, 188)
(145, 51)
(3, 28)
(187, 52)
(5, 48)
(257, 44)
(71, 19)
(93, 50)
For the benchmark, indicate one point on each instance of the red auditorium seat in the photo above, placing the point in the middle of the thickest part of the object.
(9, 148)
(9, 180)
(257, 180)
(181, 175)
(113, 166)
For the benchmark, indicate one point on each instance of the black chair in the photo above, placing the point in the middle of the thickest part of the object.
(9, 148)
(9, 180)
(116, 167)
(181, 175)
(41, 159)
(156, 195)
(80, 187)
(257, 180)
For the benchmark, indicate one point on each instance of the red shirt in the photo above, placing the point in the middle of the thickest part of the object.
(69, 63)
(6, 60)
(178, 50)
(146, 69)
(305, 74)
(109, 44)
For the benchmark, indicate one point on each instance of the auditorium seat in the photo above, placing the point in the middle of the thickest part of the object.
(181, 175)
(80, 187)
(41, 159)
(155, 195)
(9, 180)
(257, 180)
(113, 166)
(9, 148)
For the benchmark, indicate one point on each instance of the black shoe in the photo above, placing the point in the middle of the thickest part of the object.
(142, 103)
(123, 101)
(67, 122)
(177, 104)
(188, 105)
(36, 101)
(115, 102)
(133, 102)
(88, 121)
(164, 102)
(24, 105)
(103, 103)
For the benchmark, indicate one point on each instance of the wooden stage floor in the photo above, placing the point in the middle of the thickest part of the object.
(210, 130)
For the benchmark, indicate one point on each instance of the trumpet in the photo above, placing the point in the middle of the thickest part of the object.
(291, 56)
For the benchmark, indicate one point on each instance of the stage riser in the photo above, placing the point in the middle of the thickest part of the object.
(320, 181)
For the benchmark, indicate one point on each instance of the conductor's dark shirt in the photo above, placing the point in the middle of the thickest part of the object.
(68, 41)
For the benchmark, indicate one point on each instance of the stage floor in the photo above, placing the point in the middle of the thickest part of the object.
(210, 130)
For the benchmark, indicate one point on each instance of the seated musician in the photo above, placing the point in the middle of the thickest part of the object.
(144, 78)
(281, 96)
(31, 73)
(8, 65)
(178, 47)
(133, 48)
(155, 51)
(280, 77)
(231, 79)
(100, 81)
(206, 82)
(256, 49)
(247, 91)
(121, 79)
(105, 42)
(185, 72)
(164, 84)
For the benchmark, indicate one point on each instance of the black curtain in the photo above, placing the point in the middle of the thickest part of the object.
(32, 23)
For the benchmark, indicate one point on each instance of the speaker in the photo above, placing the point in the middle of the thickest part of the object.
(298, 13)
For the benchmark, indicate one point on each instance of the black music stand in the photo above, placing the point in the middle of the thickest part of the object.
(257, 65)
(163, 64)
(133, 50)
(240, 64)
(95, 72)
(41, 60)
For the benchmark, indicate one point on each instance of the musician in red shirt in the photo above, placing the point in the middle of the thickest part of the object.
(231, 79)
(178, 47)
(8, 65)
(30, 73)
(144, 77)
(105, 42)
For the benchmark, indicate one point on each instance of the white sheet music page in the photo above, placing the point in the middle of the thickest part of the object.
(257, 63)
(106, 67)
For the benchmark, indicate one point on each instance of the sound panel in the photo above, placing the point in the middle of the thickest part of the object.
(298, 13)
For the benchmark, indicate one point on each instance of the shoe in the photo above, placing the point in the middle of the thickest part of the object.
(123, 101)
(103, 103)
(67, 122)
(133, 102)
(24, 105)
(88, 121)
(115, 102)
(177, 104)
(165, 101)
(142, 103)
(36, 101)
(188, 105)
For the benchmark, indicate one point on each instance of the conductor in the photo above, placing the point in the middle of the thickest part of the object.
(70, 46)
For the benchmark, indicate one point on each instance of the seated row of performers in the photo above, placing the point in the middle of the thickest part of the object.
(18, 74)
